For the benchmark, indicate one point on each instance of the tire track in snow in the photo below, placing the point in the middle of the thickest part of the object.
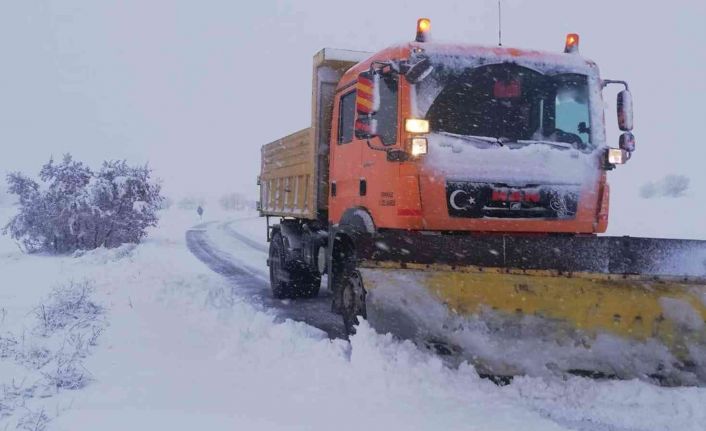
(249, 242)
(253, 285)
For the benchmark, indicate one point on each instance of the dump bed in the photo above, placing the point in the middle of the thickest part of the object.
(287, 176)
(294, 169)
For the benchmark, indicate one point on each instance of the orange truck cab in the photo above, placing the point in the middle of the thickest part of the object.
(444, 137)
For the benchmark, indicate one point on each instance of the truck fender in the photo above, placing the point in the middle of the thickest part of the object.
(358, 219)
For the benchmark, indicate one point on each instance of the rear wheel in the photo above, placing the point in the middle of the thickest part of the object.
(290, 279)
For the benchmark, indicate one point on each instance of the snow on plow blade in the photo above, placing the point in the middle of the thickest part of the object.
(623, 307)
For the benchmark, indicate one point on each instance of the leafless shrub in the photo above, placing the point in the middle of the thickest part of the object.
(8, 346)
(67, 305)
(34, 421)
(35, 357)
(68, 374)
(13, 395)
(67, 326)
(95, 334)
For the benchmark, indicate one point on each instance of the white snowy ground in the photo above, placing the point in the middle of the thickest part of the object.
(181, 349)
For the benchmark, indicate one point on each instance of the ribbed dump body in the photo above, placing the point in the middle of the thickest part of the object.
(287, 176)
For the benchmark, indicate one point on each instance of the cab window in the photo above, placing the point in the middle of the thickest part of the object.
(387, 116)
(346, 114)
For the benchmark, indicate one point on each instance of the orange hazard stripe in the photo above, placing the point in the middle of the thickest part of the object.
(364, 80)
(365, 88)
(368, 104)
(363, 95)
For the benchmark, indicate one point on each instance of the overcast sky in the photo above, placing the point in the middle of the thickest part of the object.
(195, 87)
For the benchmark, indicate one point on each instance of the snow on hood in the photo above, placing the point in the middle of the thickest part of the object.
(457, 158)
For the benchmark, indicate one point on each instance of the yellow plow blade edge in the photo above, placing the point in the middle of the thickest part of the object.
(540, 321)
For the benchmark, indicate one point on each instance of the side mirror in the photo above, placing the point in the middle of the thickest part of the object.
(418, 71)
(627, 142)
(625, 111)
(367, 103)
(366, 127)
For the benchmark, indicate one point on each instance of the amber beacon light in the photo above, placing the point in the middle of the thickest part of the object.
(572, 43)
(423, 30)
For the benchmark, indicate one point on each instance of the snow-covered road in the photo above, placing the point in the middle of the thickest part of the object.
(222, 248)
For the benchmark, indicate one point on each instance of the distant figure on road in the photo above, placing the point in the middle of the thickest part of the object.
(200, 211)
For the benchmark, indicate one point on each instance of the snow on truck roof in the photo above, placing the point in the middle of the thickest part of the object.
(558, 58)
(468, 55)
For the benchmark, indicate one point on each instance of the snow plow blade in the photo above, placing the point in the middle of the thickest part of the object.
(603, 306)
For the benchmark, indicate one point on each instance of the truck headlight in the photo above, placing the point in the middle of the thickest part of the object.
(617, 156)
(419, 146)
(415, 125)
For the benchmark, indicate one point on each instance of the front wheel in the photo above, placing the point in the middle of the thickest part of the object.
(348, 291)
(353, 301)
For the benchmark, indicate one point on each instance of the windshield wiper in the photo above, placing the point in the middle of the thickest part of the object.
(563, 145)
(476, 139)
(501, 141)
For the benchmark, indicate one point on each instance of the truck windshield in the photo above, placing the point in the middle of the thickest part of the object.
(508, 102)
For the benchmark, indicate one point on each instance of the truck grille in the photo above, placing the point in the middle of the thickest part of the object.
(481, 199)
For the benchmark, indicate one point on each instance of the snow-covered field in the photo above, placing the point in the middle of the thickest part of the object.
(169, 344)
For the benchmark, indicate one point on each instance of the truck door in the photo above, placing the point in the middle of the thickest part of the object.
(378, 176)
(344, 176)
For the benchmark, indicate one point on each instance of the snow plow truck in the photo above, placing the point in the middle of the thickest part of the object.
(455, 194)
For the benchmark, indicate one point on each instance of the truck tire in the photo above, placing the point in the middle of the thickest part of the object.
(289, 279)
(349, 293)
(352, 301)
